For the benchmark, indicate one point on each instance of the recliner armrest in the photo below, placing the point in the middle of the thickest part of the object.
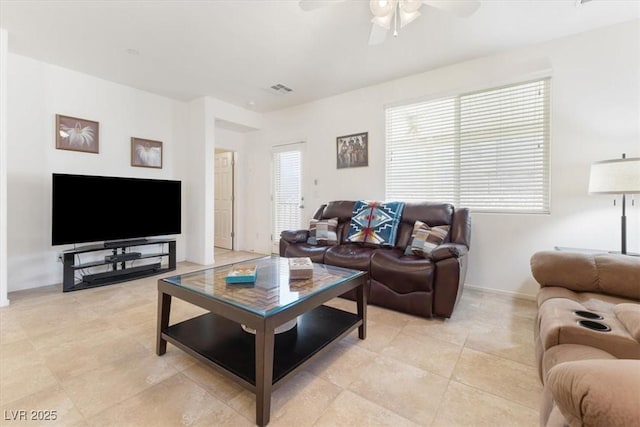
(448, 250)
(597, 392)
(295, 236)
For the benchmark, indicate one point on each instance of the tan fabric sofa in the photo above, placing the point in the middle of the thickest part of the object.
(591, 377)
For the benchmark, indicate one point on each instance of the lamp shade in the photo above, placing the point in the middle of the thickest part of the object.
(620, 176)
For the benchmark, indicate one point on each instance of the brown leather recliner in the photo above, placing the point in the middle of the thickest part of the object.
(408, 283)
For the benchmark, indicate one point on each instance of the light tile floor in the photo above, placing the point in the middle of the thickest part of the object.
(89, 356)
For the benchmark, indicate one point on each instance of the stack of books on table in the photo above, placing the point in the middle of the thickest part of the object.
(242, 274)
(300, 268)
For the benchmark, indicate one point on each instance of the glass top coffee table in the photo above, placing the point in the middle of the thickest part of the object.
(260, 361)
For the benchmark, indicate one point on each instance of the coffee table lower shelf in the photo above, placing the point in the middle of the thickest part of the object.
(223, 343)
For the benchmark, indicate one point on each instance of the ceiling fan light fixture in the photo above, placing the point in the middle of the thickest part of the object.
(410, 5)
(382, 8)
(407, 17)
(383, 21)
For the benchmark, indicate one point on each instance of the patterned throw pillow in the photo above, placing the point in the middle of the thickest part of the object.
(375, 222)
(323, 232)
(425, 239)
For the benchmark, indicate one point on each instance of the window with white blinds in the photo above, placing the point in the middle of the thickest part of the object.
(287, 192)
(488, 150)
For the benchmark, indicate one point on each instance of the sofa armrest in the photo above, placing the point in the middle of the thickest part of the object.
(450, 260)
(597, 392)
(295, 236)
(448, 250)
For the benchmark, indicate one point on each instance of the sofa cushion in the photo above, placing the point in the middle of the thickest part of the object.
(340, 209)
(590, 300)
(601, 273)
(629, 315)
(375, 223)
(323, 232)
(570, 352)
(349, 255)
(294, 236)
(425, 239)
(433, 214)
(315, 252)
(402, 274)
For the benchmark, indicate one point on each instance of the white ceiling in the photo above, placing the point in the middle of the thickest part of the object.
(235, 50)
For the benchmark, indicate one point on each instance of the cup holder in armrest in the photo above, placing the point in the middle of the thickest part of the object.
(587, 314)
(596, 326)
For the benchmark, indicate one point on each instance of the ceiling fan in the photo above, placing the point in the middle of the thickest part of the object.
(388, 14)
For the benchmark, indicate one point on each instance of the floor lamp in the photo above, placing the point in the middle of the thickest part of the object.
(619, 176)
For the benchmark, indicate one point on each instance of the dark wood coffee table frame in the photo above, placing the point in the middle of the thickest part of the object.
(261, 363)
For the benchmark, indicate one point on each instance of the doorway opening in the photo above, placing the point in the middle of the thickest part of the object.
(224, 196)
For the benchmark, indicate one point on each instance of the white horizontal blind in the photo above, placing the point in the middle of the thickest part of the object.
(488, 151)
(421, 147)
(287, 166)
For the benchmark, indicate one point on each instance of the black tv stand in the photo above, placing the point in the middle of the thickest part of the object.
(116, 263)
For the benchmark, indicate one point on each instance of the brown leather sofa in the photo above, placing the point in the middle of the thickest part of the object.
(424, 286)
(591, 377)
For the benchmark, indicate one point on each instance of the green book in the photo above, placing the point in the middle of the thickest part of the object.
(242, 274)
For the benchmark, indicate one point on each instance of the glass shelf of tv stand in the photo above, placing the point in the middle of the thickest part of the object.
(105, 262)
(122, 270)
(101, 246)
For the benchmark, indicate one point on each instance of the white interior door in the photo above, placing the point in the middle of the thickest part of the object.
(287, 199)
(223, 207)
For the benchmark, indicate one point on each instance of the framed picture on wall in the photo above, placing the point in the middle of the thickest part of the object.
(146, 153)
(77, 134)
(352, 150)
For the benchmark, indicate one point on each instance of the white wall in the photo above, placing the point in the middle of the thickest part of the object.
(39, 91)
(3, 167)
(232, 126)
(199, 190)
(204, 115)
(595, 109)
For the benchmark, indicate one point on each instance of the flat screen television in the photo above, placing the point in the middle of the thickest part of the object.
(89, 208)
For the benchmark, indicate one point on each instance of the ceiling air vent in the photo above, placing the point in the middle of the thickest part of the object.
(280, 89)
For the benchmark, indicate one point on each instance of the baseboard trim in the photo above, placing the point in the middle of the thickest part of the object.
(501, 292)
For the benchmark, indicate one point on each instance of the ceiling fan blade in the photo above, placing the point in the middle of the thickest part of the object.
(307, 5)
(462, 8)
(378, 35)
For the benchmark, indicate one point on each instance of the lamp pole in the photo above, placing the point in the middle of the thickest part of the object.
(623, 221)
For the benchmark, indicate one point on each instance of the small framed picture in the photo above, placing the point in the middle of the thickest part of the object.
(77, 134)
(352, 150)
(146, 153)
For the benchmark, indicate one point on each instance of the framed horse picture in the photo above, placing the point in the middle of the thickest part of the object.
(352, 150)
